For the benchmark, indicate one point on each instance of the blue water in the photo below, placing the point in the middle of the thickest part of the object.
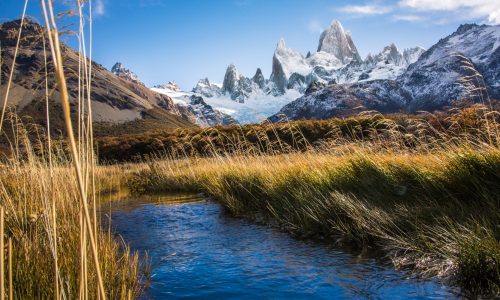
(198, 251)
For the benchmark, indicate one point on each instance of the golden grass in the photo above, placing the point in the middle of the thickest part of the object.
(26, 191)
(436, 213)
(55, 246)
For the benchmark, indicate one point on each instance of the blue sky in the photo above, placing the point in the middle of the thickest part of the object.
(185, 40)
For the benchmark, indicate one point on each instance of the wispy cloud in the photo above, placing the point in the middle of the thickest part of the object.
(408, 18)
(365, 10)
(489, 9)
(99, 8)
(314, 26)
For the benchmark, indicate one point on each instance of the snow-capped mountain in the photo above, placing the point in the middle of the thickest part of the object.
(336, 41)
(237, 86)
(257, 107)
(171, 85)
(193, 106)
(336, 61)
(119, 70)
(388, 64)
(207, 89)
(434, 81)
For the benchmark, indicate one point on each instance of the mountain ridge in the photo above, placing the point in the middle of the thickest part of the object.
(434, 81)
(114, 100)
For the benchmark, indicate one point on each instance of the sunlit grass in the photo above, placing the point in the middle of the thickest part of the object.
(436, 213)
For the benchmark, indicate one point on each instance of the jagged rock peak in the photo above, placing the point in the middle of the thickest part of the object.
(281, 44)
(259, 79)
(391, 54)
(230, 79)
(204, 81)
(206, 88)
(338, 42)
(411, 55)
(171, 85)
(119, 70)
(369, 58)
(31, 34)
(258, 73)
(465, 27)
(286, 61)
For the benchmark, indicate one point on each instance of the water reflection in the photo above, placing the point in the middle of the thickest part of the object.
(199, 252)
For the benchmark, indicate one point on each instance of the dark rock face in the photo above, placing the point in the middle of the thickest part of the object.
(278, 76)
(237, 86)
(205, 114)
(432, 87)
(259, 79)
(343, 100)
(31, 34)
(297, 81)
(231, 79)
(363, 76)
(314, 87)
(491, 73)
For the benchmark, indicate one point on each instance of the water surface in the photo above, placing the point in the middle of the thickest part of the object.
(198, 251)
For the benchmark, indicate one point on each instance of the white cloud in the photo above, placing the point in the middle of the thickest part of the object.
(365, 9)
(99, 8)
(314, 26)
(489, 9)
(408, 18)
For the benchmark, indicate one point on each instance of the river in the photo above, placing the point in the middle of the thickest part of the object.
(199, 251)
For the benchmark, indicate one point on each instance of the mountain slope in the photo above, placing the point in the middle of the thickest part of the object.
(115, 100)
(434, 81)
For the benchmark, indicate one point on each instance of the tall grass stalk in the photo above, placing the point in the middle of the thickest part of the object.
(61, 79)
(44, 201)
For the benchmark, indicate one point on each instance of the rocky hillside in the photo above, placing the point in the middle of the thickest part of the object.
(461, 68)
(115, 99)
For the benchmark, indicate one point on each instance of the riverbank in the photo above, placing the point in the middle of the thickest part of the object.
(44, 221)
(435, 212)
(428, 201)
